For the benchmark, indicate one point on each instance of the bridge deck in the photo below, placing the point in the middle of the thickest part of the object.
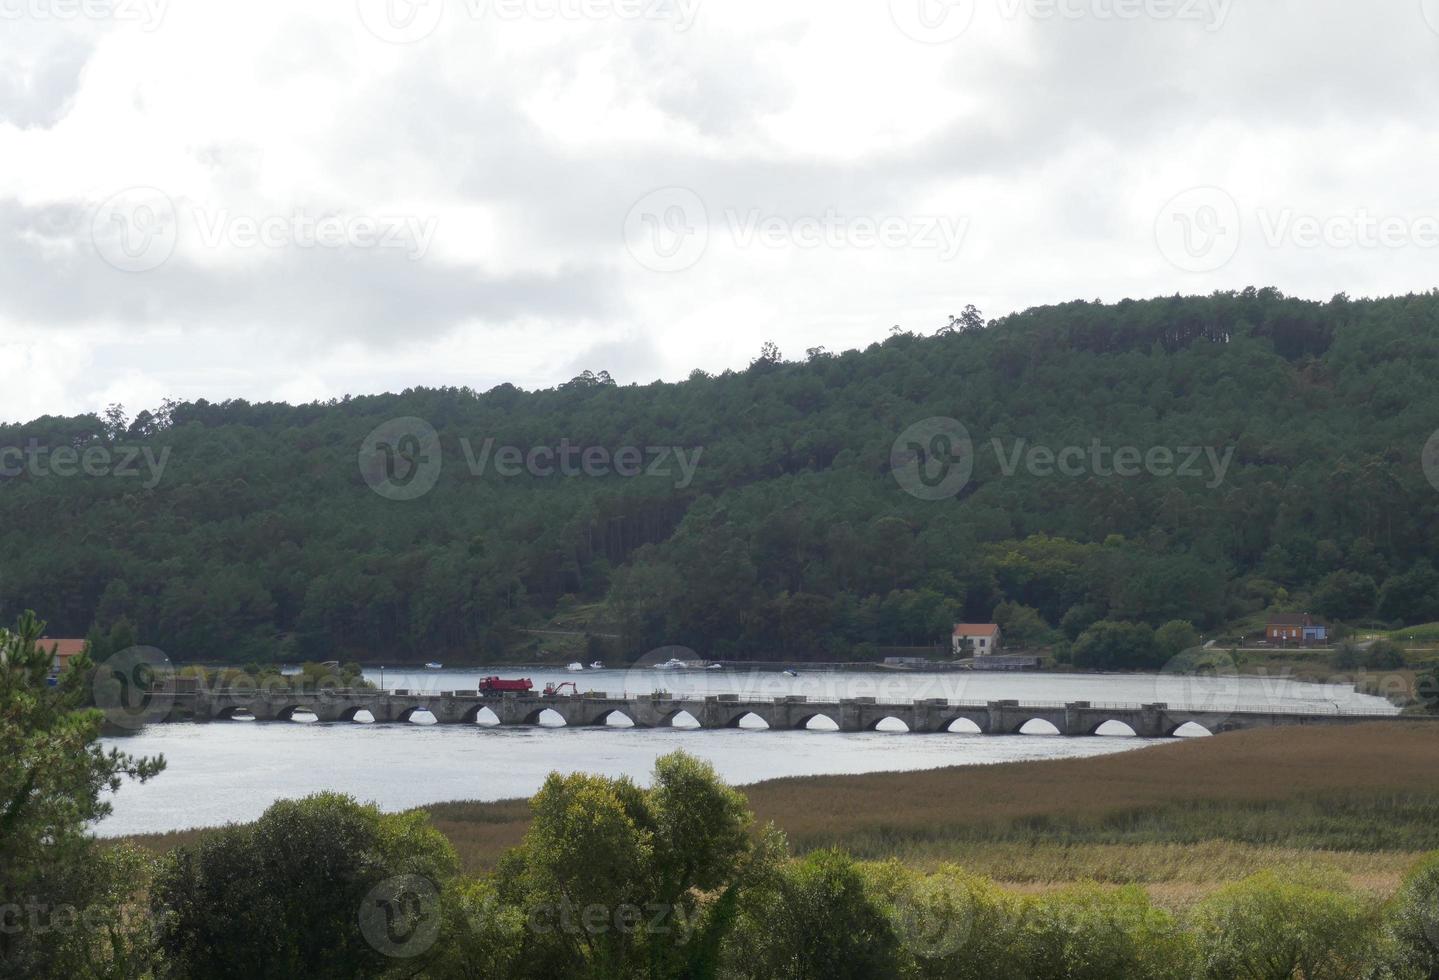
(1074, 718)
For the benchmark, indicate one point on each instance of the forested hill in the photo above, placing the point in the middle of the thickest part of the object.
(241, 531)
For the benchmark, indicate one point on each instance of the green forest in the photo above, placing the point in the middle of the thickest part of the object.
(236, 531)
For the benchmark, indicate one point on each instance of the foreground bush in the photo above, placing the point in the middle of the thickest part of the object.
(951, 925)
(1272, 928)
(1094, 933)
(1412, 922)
(814, 919)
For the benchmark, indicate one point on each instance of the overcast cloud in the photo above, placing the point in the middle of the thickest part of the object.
(268, 201)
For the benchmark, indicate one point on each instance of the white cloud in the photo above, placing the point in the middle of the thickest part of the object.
(1052, 131)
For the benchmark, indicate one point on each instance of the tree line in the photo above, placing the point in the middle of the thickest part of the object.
(262, 539)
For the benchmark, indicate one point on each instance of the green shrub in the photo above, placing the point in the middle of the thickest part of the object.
(1412, 921)
(951, 925)
(814, 919)
(1094, 933)
(1271, 928)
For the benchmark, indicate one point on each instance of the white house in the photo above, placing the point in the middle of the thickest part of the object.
(976, 640)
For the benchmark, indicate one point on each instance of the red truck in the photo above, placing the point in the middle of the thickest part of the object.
(496, 685)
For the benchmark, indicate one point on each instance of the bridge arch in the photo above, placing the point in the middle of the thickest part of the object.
(1037, 726)
(289, 711)
(539, 717)
(806, 723)
(1113, 728)
(738, 720)
(480, 714)
(1189, 729)
(352, 713)
(672, 719)
(236, 712)
(609, 716)
(898, 725)
(962, 725)
(407, 715)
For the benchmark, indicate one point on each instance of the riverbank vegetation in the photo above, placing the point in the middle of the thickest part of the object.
(689, 878)
(1293, 431)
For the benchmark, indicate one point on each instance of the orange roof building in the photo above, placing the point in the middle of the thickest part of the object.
(976, 639)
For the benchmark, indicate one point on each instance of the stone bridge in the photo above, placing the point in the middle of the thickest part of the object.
(727, 711)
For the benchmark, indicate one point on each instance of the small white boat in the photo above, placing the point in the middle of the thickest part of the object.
(715, 667)
(597, 666)
(672, 663)
(434, 666)
(575, 667)
(791, 673)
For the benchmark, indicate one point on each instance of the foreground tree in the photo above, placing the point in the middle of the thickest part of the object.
(74, 893)
(617, 881)
(318, 887)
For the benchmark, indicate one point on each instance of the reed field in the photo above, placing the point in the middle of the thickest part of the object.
(1179, 819)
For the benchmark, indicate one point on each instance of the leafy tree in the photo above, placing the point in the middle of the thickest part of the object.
(285, 895)
(813, 919)
(610, 876)
(53, 777)
(1174, 637)
(1020, 625)
(1109, 645)
(1345, 595)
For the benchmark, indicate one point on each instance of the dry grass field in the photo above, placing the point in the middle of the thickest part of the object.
(1178, 818)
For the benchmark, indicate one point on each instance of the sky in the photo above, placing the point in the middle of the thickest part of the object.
(295, 201)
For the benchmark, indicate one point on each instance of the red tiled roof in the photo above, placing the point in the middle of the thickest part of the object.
(63, 648)
(975, 629)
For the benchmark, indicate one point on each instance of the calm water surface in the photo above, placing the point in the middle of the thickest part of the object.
(226, 771)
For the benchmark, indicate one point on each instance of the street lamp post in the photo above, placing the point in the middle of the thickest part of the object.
(382, 677)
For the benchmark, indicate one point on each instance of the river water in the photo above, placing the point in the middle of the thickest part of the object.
(232, 770)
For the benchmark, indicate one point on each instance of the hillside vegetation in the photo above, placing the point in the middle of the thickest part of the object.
(1302, 425)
